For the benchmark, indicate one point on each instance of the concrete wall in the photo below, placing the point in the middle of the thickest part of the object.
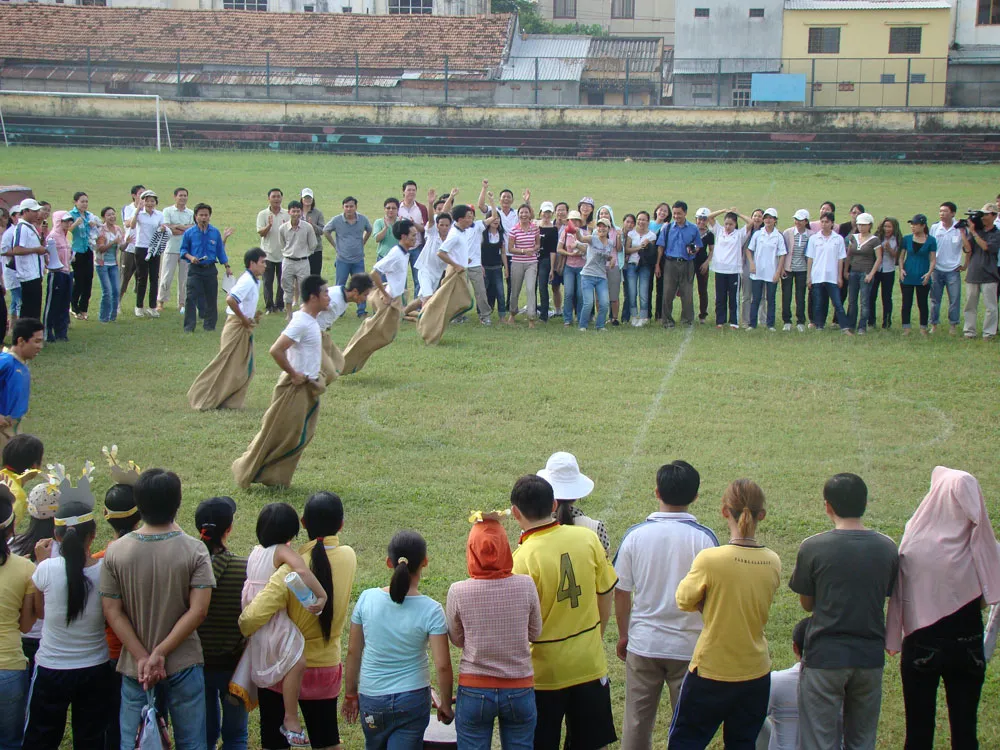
(401, 115)
(550, 93)
(728, 31)
(652, 18)
(967, 31)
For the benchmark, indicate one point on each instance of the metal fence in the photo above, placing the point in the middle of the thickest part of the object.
(903, 82)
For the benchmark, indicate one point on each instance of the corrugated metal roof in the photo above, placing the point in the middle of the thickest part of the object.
(975, 54)
(867, 5)
(560, 58)
(620, 46)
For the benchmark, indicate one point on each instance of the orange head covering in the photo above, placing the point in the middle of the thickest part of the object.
(488, 551)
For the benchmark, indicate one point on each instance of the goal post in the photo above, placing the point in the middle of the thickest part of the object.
(159, 115)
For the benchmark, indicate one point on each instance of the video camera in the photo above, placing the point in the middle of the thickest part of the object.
(974, 217)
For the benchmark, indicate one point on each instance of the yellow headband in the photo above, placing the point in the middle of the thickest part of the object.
(8, 522)
(74, 520)
(109, 514)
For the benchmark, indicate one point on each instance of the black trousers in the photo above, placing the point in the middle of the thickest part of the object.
(147, 273)
(702, 279)
(740, 707)
(31, 299)
(726, 298)
(272, 272)
(796, 279)
(201, 297)
(3, 317)
(59, 290)
(658, 310)
(924, 663)
(544, 269)
(922, 292)
(884, 280)
(83, 281)
(315, 264)
(53, 691)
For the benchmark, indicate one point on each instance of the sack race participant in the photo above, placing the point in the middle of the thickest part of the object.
(379, 330)
(452, 299)
(356, 290)
(290, 421)
(226, 380)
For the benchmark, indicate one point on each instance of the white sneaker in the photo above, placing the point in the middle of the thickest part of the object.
(582, 330)
(181, 311)
(153, 313)
(801, 328)
(787, 327)
(139, 313)
(771, 329)
(523, 310)
(635, 323)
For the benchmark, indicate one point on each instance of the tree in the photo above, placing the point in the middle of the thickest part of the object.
(532, 23)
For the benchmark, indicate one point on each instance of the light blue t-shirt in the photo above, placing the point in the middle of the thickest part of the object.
(395, 655)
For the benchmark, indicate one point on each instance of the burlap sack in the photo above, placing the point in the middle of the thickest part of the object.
(226, 380)
(287, 428)
(376, 332)
(333, 359)
(450, 300)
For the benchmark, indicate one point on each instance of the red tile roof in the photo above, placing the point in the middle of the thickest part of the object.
(136, 36)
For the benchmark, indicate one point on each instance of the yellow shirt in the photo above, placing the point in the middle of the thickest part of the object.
(570, 569)
(277, 596)
(737, 585)
(20, 496)
(15, 585)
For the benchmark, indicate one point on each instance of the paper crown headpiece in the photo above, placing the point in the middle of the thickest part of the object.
(82, 493)
(127, 474)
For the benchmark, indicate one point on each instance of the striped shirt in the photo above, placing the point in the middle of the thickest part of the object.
(524, 242)
(221, 640)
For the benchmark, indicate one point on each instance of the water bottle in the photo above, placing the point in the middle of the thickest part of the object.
(298, 587)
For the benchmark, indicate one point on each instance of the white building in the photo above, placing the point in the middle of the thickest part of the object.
(974, 59)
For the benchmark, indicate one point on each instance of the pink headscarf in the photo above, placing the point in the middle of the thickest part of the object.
(61, 240)
(947, 558)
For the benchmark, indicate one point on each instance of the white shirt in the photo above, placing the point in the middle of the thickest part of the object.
(146, 226)
(637, 239)
(888, 262)
(415, 215)
(27, 267)
(174, 215)
(653, 558)
(949, 246)
(428, 260)
(306, 354)
(766, 249)
(728, 254)
(82, 643)
(508, 221)
(394, 266)
(270, 243)
(336, 308)
(9, 275)
(825, 252)
(128, 211)
(783, 709)
(246, 291)
(457, 246)
(474, 241)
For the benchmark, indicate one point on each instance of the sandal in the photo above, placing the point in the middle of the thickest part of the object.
(294, 739)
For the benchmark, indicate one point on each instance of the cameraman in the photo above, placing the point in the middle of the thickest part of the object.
(981, 249)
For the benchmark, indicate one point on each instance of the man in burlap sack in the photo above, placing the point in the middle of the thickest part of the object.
(290, 421)
(226, 380)
(357, 289)
(452, 298)
(380, 329)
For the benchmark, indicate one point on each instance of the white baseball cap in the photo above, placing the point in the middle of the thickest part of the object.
(702, 213)
(563, 473)
(307, 192)
(865, 219)
(16, 208)
(773, 212)
(147, 194)
(546, 206)
(802, 215)
(29, 204)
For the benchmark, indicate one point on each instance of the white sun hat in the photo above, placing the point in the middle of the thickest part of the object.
(563, 473)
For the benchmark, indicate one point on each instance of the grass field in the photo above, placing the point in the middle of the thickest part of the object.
(423, 435)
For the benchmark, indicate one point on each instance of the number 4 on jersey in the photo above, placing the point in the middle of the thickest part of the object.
(568, 588)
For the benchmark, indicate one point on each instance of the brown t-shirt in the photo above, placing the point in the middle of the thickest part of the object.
(153, 575)
(862, 254)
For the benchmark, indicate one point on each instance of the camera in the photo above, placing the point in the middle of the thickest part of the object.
(973, 217)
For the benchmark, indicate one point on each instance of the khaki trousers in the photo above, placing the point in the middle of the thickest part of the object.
(171, 264)
(523, 275)
(478, 280)
(972, 294)
(644, 680)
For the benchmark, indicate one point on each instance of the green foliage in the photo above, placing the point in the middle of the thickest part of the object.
(533, 23)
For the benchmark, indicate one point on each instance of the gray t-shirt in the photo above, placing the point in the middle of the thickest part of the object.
(983, 265)
(598, 255)
(350, 247)
(850, 574)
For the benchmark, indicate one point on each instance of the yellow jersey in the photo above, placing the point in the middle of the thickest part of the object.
(570, 570)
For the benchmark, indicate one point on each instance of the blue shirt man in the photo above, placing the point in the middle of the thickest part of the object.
(677, 246)
(15, 386)
(203, 246)
(680, 241)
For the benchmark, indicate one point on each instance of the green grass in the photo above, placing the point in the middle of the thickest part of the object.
(423, 435)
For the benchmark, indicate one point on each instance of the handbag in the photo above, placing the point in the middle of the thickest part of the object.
(152, 734)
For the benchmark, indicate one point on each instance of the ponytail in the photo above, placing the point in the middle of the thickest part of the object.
(564, 514)
(211, 535)
(323, 516)
(747, 523)
(407, 551)
(319, 563)
(745, 501)
(72, 547)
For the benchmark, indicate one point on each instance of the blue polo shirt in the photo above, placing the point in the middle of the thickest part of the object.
(675, 240)
(81, 235)
(15, 386)
(207, 245)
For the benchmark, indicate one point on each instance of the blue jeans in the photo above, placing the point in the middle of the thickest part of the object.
(826, 294)
(758, 289)
(397, 721)
(15, 301)
(645, 280)
(110, 291)
(940, 280)
(572, 294)
(344, 270)
(594, 287)
(185, 699)
(414, 254)
(494, 289)
(233, 715)
(477, 708)
(859, 295)
(13, 702)
(631, 289)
